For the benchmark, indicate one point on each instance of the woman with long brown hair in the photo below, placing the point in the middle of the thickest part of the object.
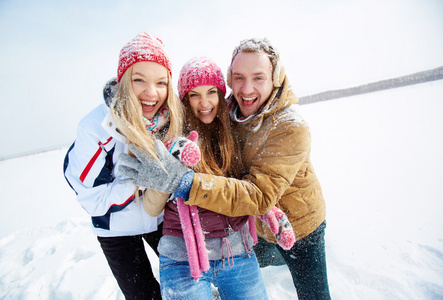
(232, 266)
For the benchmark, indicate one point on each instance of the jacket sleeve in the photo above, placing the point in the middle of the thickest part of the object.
(154, 202)
(273, 166)
(90, 171)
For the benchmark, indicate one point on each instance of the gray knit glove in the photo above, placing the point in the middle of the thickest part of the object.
(146, 171)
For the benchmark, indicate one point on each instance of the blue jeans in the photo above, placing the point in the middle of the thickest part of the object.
(241, 281)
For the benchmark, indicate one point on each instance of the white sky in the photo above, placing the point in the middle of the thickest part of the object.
(55, 56)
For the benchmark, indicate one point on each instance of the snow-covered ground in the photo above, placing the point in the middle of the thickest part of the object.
(378, 157)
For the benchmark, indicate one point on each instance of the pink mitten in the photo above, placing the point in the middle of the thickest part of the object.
(270, 219)
(185, 149)
(280, 226)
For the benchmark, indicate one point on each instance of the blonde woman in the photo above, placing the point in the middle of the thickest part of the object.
(143, 109)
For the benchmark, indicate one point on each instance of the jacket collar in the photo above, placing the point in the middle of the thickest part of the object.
(109, 125)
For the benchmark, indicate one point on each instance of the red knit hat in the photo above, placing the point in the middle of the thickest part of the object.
(200, 71)
(143, 47)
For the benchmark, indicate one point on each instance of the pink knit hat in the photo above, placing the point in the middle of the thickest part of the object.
(143, 47)
(200, 71)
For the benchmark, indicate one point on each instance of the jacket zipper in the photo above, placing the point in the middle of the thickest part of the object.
(229, 226)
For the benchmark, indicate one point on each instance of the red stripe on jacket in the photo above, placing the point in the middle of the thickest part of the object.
(124, 203)
(93, 159)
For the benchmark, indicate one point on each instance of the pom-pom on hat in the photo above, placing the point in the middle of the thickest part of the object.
(200, 71)
(144, 47)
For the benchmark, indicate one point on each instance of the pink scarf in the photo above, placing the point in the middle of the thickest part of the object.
(189, 219)
(189, 154)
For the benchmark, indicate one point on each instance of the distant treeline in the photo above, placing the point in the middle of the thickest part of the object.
(420, 77)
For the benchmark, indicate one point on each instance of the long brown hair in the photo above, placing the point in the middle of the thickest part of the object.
(220, 152)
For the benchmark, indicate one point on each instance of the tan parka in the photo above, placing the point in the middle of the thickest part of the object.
(276, 148)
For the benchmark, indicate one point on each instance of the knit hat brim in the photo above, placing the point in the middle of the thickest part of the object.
(144, 47)
(200, 71)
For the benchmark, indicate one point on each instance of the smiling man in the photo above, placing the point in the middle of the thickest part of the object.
(276, 146)
(251, 81)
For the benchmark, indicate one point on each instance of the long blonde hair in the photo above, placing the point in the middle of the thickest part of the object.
(126, 111)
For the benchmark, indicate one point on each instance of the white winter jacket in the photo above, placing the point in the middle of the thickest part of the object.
(91, 169)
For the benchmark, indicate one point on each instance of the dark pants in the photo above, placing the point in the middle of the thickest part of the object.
(306, 262)
(130, 265)
(268, 254)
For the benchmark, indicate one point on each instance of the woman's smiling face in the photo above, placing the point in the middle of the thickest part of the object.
(204, 102)
(150, 85)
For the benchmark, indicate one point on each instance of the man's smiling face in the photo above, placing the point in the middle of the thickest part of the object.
(251, 81)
